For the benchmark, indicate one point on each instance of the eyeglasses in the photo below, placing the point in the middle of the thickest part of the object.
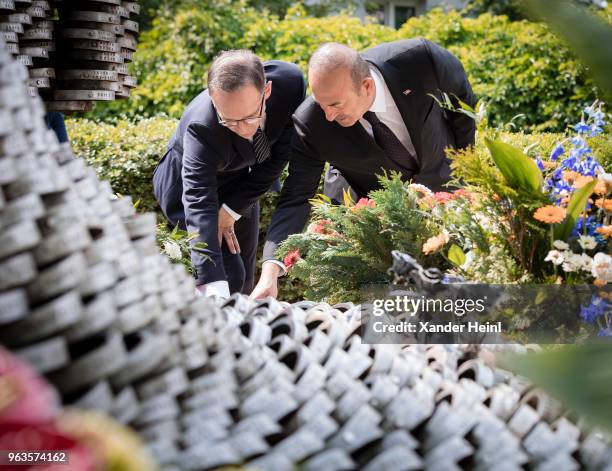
(232, 123)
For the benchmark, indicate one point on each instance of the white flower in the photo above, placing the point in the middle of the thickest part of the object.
(602, 267)
(482, 112)
(173, 250)
(422, 189)
(469, 260)
(587, 242)
(560, 245)
(587, 262)
(555, 257)
(573, 262)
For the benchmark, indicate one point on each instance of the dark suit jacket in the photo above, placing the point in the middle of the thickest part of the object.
(412, 69)
(207, 165)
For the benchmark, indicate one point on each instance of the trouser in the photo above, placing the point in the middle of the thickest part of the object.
(240, 268)
(334, 184)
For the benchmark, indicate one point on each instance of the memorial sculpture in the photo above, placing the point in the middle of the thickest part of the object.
(87, 299)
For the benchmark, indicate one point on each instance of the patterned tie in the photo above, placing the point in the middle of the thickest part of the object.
(390, 144)
(261, 146)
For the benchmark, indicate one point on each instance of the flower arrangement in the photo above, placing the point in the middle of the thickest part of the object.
(518, 217)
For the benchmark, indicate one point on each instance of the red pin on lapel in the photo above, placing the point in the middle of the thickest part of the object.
(407, 91)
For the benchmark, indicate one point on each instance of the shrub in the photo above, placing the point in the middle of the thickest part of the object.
(517, 67)
(123, 153)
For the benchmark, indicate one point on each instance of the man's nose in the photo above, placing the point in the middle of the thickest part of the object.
(330, 114)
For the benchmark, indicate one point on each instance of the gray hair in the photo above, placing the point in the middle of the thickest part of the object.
(333, 56)
(232, 70)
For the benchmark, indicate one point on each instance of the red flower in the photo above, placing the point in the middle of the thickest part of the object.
(443, 197)
(364, 203)
(319, 227)
(291, 258)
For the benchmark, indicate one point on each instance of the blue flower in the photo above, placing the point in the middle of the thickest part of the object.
(540, 164)
(597, 308)
(578, 142)
(595, 130)
(557, 152)
(607, 332)
(582, 127)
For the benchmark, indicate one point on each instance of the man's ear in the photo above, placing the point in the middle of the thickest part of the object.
(368, 85)
(268, 89)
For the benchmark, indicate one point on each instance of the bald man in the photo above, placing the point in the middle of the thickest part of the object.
(369, 113)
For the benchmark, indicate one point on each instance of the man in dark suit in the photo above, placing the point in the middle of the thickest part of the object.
(369, 113)
(231, 144)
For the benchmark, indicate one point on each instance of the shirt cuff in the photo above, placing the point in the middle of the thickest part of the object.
(231, 212)
(279, 263)
(217, 288)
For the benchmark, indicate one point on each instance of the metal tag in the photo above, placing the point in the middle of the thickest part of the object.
(116, 29)
(24, 60)
(45, 72)
(69, 105)
(22, 236)
(40, 83)
(17, 271)
(76, 74)
(132, 7)
(22, 18)
(36, 11)
(127, 42)
(9, 37)
(130, 25)
(93, 16)
(96, 56)
(13, 306)
(93, 45)
(46, 356)
(101, 95)
(85, 33)
(7, 5)
(98, 314)
(98, 397)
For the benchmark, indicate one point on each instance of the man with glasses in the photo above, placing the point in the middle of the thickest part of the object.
(230, 146)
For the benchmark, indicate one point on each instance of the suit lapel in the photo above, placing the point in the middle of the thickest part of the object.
(410, 98)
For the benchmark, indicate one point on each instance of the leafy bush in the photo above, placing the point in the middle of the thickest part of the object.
(123, 153)
(517, 67)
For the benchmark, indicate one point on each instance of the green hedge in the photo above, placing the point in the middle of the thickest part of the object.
(517, 67)
(123, 153)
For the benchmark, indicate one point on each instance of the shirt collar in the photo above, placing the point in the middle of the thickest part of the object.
(380, 101)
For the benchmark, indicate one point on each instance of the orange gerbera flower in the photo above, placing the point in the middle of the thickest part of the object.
(605, 231)
(601, 188)
(605, 204)
(364, 203)
(291, 258)
(599, 282)
(548, 164)
(582, 180)
(435, 243)
(569, 176)
(550, 214)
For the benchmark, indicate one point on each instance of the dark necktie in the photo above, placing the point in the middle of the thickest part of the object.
(390, 144)
(261, 146)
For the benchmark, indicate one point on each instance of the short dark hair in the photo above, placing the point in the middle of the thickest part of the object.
(231, 70)
(333, 56)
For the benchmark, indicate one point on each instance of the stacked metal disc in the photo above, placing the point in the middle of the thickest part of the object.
(95, 42)
(27, 27)
(86, 298)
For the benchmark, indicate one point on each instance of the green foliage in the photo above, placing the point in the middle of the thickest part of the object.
(123, 153)
(176, 245)
(516, 67)
(519, 170)
(575, 208)
(576, 375)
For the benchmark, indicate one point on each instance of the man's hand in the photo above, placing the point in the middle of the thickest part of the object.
(226, 231)
(268, 282)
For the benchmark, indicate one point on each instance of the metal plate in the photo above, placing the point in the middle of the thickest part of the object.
(97, 315)
(12, 48)
(108, 27)
(126, 406)
(58, 278)
(126, 54)
(111, 86)
(22, 18)
(34, 52)
(49, 46)
(36, 11)
(7, 5)
(24, 60)
(9, 37)
(12, 27)
(44, 72)
(20, 237)
(85, 33)
(91, 367)
(40, 82)
(130, 25)
(77, 74)
(13, 306)
(46, 356)
(127, 42)
(92, 16)
(132, 7)
(17, 271)
(96, 56)
(81, 95)
(93, 45)
(98, 397)
(45, 320)
(41, 4)
(114, 10)
(69, 105)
